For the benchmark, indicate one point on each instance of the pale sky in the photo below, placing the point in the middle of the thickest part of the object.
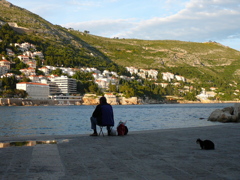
(185, 20)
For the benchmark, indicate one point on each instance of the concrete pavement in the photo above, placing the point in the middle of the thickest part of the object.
(147, 155)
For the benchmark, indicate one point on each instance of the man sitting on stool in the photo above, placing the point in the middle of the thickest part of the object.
(102, 116)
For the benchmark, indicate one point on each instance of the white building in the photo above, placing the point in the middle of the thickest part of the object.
(45, 70)
(5, 63)
(34, 90)
(28, 72)
(95, 75)
(106, 73)
(4, 66)
(142, 74)
(34, 78)
(132, 70)
(167, 76)
(7, 74)
(66, 85)
(51, 68)
(23, 58)
(180, 78)
(102, 83)
(68, 71)
(153, 73)
(28, 53)
(39, 54)
(32, 64)
(205, 95)
(164, 85)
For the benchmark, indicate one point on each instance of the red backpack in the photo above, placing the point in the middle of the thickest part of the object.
(122, 130)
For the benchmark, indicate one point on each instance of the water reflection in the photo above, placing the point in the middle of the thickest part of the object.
(26, 143)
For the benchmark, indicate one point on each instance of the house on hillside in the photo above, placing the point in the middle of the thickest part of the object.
(68, 71)
(28, 72)
(10, 52)
(34, 78)
(25, 46)
(167, 76)
(7, 75)
(102, 83)
(38, 54)
(180, 78)
(23, 58)
(5, 63)
(153, 73)
(28, 53)
(45, 70)
(205, 95)
(4, 66)
(32, 64)
(132, 70)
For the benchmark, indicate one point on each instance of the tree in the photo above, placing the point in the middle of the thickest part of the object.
(8, 93)
(112, 88)
(9, 83)
(25, 79)
(93, 88)
(191, 96)
(79, 75)
(19, 93)
(21, 65)
(57, 72)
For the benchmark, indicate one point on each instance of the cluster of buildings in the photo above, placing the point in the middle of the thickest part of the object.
(47, 85)
(43, 86)
(143, 73)
(153, 74)
(170, 77)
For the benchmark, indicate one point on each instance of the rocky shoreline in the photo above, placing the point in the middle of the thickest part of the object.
(227, 114)
(94, 101)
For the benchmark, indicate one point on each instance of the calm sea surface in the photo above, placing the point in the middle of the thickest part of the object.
(66, 120)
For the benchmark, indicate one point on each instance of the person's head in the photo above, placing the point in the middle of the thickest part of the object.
(103, 100)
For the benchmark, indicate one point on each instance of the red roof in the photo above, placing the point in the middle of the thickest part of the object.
(5, 60)
(33, 83)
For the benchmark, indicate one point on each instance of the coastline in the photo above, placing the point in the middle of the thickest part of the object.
(66, 102)
(70, 136)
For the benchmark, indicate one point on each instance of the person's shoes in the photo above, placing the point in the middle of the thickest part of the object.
(94, 134)
(109, 133)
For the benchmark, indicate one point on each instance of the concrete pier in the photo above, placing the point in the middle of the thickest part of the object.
(147, 155)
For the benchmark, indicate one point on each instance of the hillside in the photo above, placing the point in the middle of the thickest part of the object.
(204, 58)
(25, 22)
(205, 61)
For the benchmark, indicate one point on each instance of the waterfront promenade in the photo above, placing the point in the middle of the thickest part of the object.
(147, 155)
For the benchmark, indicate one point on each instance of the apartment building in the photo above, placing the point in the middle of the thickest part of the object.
(34, 90)
(66, 85)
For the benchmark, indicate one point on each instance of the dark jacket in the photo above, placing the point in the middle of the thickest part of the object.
(104, 114)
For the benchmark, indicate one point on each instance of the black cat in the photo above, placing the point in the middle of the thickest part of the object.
(206, 144)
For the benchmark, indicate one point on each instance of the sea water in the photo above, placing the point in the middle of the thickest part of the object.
(67, 120)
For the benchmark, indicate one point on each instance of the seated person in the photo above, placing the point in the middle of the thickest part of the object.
(102, 116)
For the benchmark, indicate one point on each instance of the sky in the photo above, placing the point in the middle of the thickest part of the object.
(184, 20)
